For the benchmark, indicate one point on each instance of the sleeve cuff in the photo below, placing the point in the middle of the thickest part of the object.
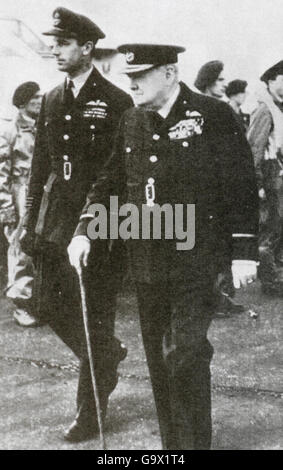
(245, 247)
(82, 237)
(244, 262)
(81, 229)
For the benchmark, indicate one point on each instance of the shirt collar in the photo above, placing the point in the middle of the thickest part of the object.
(25, 120)
(165, 110)
(79, 81)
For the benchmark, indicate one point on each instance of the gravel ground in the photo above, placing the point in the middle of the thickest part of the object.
(39, 378)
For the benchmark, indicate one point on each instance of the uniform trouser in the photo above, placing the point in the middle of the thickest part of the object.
(59, 306)
(271, 236)
(174, 324)
(20, 267)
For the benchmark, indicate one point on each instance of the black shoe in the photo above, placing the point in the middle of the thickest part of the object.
(123, 352)
(78, 432)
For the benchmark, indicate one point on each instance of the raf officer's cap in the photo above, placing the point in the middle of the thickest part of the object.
(140, 57)
(272, 72)
(67, 24)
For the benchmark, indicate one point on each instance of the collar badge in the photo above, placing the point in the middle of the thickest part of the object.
(130, 56)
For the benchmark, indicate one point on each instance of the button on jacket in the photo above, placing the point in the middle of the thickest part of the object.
(201, 158)
(72, 145)
(197, 155)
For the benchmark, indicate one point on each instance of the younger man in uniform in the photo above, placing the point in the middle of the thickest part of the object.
(75, 136)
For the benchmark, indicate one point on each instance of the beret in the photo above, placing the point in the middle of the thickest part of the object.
(235, 87)
(68, 24)
(24, 93)
(272, 72)
(140, 57)
(208, 74)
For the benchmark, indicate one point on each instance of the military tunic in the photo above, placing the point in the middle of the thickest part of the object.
(196, 155)
(72, 144)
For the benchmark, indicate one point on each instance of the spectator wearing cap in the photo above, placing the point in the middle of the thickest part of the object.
(211, 80)
(75, 135)
(236, 92)
(177, 147)
(16, 147)
(265, 136)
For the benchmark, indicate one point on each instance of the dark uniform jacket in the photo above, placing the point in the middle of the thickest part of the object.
(72, 145)
(197, 155)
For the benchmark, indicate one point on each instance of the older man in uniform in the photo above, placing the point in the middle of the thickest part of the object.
(75, 136)
(178, 147)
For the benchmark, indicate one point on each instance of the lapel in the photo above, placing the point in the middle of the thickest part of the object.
(54, 101)
(88, 89)
(185, 101)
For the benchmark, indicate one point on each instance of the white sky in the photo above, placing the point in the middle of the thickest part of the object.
(246, 34)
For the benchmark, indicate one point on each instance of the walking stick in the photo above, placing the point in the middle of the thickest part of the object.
(90, 358)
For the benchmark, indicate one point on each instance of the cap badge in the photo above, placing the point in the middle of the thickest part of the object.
(57, 19)
(130, 56)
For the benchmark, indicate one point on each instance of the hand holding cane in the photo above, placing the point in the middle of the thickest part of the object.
(78, 252)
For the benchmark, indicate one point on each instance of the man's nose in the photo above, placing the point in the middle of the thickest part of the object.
(55, 50)
(133, 85)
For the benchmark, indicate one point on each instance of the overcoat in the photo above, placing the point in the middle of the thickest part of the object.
(197, 155)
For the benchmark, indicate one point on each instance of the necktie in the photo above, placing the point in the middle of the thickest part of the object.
(68, 95)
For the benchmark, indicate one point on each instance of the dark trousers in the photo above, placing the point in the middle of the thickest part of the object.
(57, 290)
(174, 323)
(271, 229)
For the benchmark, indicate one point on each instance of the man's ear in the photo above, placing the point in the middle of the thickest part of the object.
(88, 47)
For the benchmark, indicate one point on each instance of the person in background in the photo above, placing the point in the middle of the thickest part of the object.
(236, 93)
(211, 82)
(17, 138)
(265, 136)
(211, 79)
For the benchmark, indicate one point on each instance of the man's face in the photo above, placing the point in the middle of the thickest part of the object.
(276, 86)
(32, 108)
(217, 89)
(240, 98)
(149, 88)
(69, 55)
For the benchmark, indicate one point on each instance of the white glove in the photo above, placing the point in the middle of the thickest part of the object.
(244, 272)
(78, 252)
